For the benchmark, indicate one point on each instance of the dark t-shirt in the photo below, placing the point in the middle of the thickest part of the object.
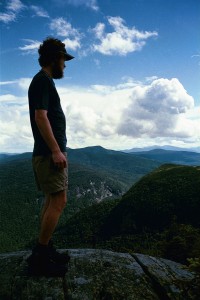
(42, 94)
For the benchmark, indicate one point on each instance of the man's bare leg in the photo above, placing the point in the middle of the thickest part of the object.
(45, 205)
(51, 215)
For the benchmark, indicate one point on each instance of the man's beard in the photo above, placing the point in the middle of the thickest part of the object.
(57, 72)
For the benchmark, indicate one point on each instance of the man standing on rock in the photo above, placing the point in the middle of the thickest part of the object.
(49, 158)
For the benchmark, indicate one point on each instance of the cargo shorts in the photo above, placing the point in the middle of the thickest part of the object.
(48, 177)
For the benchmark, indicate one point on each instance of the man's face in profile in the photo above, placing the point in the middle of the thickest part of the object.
(58, 68)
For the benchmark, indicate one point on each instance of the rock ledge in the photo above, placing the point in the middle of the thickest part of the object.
(98, 274)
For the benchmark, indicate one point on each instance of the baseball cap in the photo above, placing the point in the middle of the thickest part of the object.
(66, 54)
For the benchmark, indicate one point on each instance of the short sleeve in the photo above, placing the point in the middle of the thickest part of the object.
(40, 93)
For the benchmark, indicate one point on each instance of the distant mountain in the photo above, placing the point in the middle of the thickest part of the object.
(176, 157)
(123, 167)
(4, 155)
(164, 147)
(7, 157)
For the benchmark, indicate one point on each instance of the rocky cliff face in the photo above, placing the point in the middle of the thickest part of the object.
(95, 193)
(99, 274)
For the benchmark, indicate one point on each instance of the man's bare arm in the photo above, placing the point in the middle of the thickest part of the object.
(45, 129)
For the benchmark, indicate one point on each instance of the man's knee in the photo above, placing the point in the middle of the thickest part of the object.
(58, 199)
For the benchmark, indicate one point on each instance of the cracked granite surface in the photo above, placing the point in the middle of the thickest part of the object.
(98, 274)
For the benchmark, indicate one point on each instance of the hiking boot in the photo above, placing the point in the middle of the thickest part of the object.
(60, 258)
(40, 263)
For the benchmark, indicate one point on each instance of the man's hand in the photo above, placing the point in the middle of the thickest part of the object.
(59, 159)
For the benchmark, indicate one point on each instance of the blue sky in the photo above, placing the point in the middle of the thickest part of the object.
(134, 81)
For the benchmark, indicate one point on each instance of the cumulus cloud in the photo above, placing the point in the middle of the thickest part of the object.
(122, 40)
(15, 133)
(63, 28)
(126, 114)
(158, 110)
(72, 44)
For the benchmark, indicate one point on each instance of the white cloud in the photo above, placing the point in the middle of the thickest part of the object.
(31, 47)
(65, 29)
(158, 110)
(130, 112)
(16, 135)
(8, 82)
(88, 3)
(13, 7)
(8, 98)
(72, 44)
(116, 117)
(39, 11)
(7, 17)
(195, 55)
(151, 78)
(24, 83)
(122, 40)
